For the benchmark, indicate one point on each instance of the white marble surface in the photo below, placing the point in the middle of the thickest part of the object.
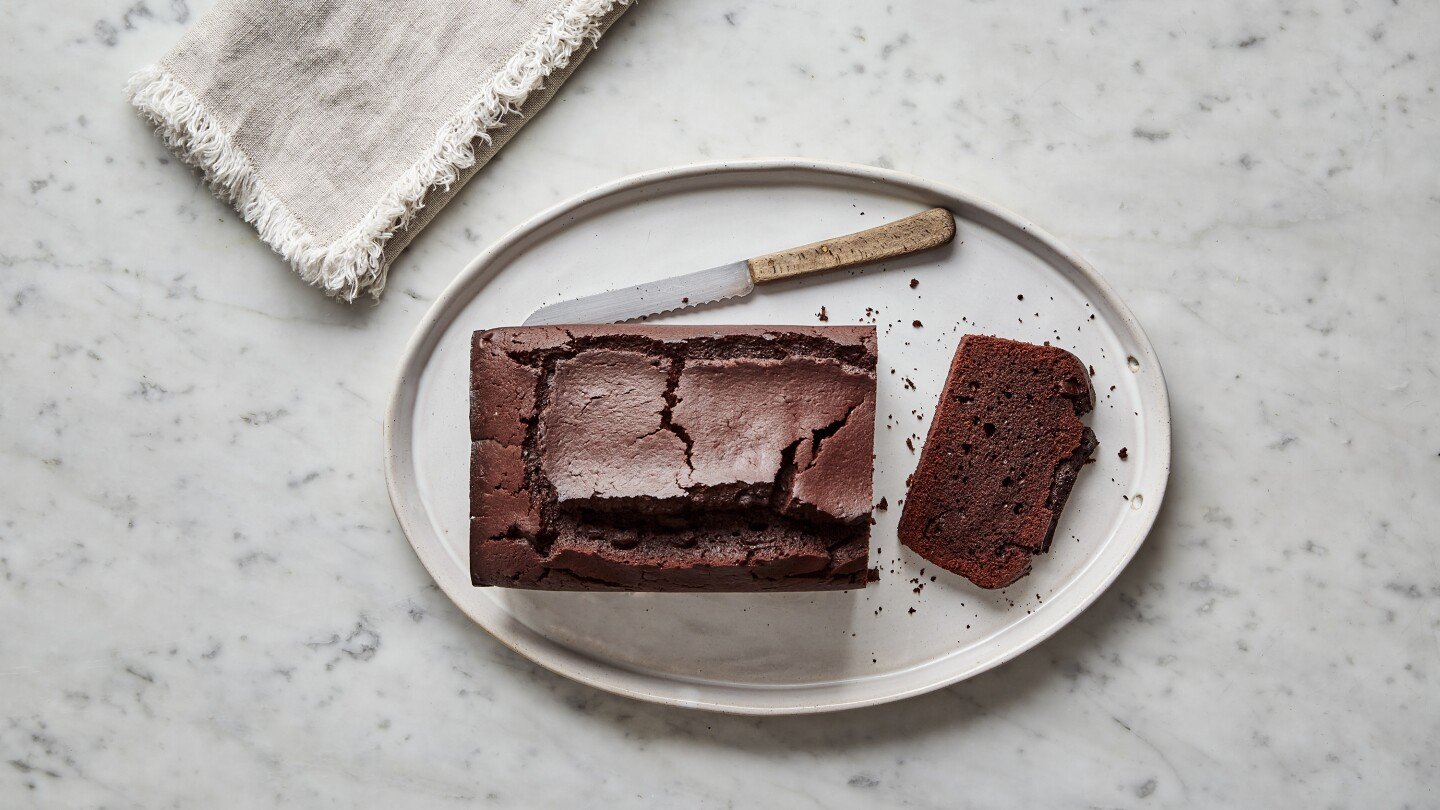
(206, 600)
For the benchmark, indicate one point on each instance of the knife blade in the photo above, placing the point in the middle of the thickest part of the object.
(914, 233)
(692, 289)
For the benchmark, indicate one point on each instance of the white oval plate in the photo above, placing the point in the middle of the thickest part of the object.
(794, 653)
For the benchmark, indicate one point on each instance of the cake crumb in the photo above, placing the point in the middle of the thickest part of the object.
(1124, 453)
(883, 504)
(1019, 298)
(916, 324)
(914, 282)
(958, 431)
(822, 314)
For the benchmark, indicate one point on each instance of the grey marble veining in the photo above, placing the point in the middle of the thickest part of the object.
(207, 602)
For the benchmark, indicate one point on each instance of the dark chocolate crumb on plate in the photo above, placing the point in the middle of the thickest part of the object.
(822, 314)
(914, 282)
(916, 324)
(1124, 453)
(883, 504)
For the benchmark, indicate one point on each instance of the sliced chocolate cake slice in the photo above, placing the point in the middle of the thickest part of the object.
(1003, 452)
(670, 458)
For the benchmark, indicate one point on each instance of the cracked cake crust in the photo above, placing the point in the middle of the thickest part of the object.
(671, 458)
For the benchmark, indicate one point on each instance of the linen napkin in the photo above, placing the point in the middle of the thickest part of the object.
(338, 128)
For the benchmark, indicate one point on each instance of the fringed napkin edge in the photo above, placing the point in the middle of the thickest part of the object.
(355, 263)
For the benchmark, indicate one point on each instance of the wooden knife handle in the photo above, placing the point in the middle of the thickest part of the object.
(922, 231)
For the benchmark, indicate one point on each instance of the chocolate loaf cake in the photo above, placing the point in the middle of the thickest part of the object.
(671, 458)
(1001, 457)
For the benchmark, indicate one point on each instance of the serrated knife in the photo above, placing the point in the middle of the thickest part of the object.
(902, 237)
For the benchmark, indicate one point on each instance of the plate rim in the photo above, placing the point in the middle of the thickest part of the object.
(426, 336)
